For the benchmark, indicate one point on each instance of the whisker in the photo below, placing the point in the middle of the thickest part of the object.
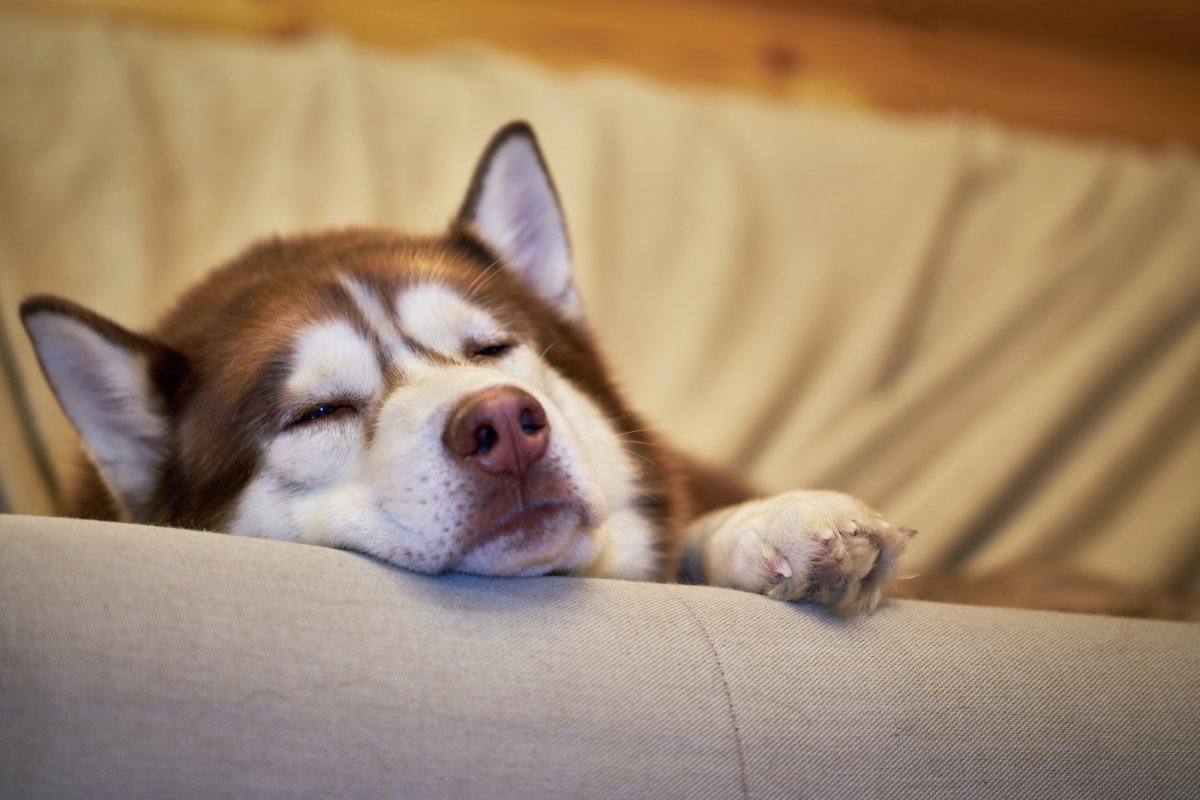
(631, 454)
(605, 463)
(485, 277)
(657, 500)
(645, 458)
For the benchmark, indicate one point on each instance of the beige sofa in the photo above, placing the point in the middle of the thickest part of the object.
(990, 335)
(143, 662)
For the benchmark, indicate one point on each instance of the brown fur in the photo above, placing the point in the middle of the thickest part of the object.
(219, 391)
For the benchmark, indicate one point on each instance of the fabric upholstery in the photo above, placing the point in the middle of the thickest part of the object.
(143, 662)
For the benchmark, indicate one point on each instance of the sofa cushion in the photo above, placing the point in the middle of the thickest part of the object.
(148, 662)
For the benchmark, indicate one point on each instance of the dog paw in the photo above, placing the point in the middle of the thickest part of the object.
(823, 547)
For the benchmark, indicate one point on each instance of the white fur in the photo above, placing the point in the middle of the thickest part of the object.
(402, 497)
(826, 546)
(440, 320)
(373, 310)
(331, 362)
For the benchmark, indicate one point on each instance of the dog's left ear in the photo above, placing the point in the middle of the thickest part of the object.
(513, 209)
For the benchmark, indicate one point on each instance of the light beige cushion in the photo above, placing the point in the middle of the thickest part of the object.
(143, 662)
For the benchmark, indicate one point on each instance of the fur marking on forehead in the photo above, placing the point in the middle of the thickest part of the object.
(438, 318)
(332, 358)
(373, 308)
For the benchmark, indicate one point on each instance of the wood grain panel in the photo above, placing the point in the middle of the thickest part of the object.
(1120, 68)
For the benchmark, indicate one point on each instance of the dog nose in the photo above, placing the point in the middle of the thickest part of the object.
(499, 430)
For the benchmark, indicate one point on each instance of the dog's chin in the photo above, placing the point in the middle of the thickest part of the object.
(536, 540)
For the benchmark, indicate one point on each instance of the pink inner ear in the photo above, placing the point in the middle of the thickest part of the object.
(517, 214)
(106, 392)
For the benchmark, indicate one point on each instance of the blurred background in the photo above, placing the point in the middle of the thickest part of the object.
(1123, 68)
(945, 255)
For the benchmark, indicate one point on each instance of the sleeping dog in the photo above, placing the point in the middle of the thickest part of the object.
(437, 403)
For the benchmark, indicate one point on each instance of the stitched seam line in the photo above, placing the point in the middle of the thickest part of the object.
(737, 731)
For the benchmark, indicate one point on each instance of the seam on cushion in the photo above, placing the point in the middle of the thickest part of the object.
(712, 647)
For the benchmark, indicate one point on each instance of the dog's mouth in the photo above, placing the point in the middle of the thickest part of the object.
(533, 538)
(527, 519)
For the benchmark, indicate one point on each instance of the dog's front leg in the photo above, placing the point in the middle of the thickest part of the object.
(806, 545)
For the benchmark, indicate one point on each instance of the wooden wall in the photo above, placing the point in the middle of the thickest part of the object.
(1124, 68)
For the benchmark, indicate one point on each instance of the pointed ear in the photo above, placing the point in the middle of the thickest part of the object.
(105, 379)
(513, 209)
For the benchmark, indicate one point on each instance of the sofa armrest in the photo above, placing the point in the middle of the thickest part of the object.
(144, 662)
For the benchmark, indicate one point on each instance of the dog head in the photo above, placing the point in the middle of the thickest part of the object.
(434, 402)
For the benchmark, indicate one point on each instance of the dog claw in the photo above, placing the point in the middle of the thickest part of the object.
(778, 567)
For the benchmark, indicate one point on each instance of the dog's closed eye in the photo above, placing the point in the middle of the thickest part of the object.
(321, 411)
(493, 350)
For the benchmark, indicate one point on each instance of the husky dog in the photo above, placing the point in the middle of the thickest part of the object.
(437, 403)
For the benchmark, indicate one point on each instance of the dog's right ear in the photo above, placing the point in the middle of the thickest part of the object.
(108, 381)
(513, 209)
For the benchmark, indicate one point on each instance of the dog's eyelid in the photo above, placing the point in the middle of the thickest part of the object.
(308, 412)
(494, 347)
